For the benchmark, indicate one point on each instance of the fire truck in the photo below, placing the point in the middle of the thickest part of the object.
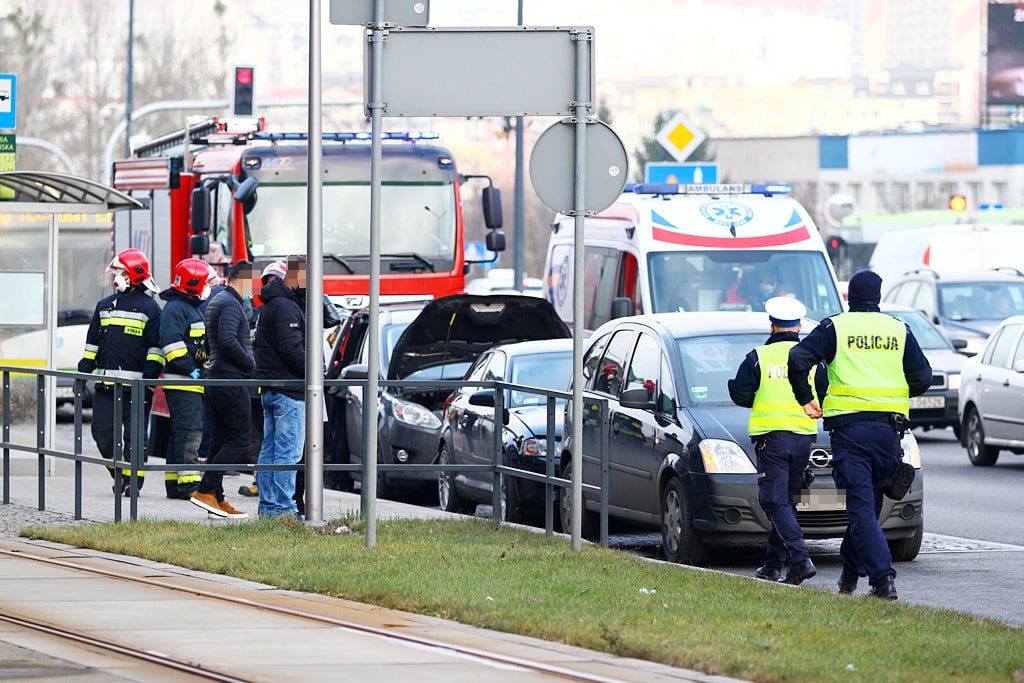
(227, 191)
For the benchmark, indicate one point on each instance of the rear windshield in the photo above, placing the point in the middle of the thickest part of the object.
(724, 280)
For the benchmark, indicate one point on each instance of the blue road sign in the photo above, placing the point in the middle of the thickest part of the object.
(680, 173)
(8, 110)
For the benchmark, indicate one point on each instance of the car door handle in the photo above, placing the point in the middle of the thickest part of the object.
(1006, 382)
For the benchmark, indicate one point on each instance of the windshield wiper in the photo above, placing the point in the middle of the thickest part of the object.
(342, 262)
(418, 260)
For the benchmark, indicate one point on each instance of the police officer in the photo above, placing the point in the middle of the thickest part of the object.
(782, 434)
(874, 366)
(183, 342)
(122, 342)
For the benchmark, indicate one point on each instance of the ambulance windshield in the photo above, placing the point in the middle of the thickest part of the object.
(727, 280)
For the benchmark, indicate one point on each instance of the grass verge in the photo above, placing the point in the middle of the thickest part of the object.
(513, 580)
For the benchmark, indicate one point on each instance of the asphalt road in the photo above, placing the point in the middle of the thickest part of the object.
(972, 555)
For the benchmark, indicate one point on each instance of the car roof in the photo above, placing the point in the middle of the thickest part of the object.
(536, 346)
(701, 323)
(961, 276)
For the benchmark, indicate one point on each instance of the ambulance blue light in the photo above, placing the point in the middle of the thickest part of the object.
(656, 188)
(771, 188)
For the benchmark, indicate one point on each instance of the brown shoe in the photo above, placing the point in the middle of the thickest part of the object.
(208, 502)
(249, 491)
(230, 512)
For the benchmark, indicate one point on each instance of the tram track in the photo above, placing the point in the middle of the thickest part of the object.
(183, 583)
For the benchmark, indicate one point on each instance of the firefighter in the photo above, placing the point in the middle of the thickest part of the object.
(123, 342)
(183, 342)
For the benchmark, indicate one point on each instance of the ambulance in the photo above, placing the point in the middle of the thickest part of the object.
(667, 247)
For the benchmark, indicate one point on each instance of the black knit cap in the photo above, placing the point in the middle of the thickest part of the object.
(865, 287)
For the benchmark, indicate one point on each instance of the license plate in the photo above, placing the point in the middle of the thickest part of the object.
(928, 402)
(821, 500)
(65, 392)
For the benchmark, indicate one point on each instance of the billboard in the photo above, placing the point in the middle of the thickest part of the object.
(1005, 82)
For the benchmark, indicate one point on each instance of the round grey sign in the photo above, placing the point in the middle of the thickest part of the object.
(552, 167)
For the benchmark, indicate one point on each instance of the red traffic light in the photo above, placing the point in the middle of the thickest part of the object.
(834, 243)
(242, 94)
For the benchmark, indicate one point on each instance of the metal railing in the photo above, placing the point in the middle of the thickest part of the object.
(136, 463)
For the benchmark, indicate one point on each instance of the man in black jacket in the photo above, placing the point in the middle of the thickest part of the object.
(280, 347)
(231, 357)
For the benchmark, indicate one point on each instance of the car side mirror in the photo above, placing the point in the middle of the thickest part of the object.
(959, 344)
(622, 307)
(354, 371)
(636, 398)
(484, 398)
(1018, 366)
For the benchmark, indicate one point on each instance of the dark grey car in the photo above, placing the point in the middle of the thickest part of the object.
(680, 456)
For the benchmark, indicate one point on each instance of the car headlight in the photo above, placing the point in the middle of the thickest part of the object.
(911, 451)
(953, 380)
(724, 457)
(415, 414)
(537, 448)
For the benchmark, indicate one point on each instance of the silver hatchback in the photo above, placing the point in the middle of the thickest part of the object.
(990, 408)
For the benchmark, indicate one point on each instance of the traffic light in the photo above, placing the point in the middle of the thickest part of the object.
(835, 245)
(241, 98)
(958, 202)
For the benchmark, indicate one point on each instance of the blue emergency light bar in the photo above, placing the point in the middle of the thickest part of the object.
(766, 189)
(359, 135)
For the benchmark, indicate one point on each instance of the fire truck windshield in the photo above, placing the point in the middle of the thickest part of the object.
(416, 219)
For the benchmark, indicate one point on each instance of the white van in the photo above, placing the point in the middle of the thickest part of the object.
(668, 247)
(948, 247)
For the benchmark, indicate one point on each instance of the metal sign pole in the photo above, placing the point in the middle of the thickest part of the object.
(579, 211)
(369, 483)
(314, 488)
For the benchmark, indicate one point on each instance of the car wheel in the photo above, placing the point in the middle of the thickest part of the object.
(447, 495)
(590, 525)
(679, 540)
(511, 507)
(384, 489)
(906, 549)
(978, 453)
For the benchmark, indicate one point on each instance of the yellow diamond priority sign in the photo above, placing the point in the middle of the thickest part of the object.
(680, 137)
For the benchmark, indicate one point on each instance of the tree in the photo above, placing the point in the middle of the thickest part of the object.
(651, 150)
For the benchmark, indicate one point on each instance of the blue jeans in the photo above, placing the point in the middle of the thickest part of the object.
(284, 435)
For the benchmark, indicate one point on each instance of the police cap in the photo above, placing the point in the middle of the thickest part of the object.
(784, 311)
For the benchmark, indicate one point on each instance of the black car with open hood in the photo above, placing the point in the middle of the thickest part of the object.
(440, 343)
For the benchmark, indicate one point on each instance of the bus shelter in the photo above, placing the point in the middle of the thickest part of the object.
(56, 239)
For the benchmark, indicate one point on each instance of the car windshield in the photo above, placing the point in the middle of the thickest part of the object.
(981, 300)
(710, 362)
(443, 371)
(542, 370)
(927, 335)
(736, 280)
(389, 335)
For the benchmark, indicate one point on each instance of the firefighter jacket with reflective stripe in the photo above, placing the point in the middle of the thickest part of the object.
(182, 338)
(124, 337)
(867, 371)
(775, 408)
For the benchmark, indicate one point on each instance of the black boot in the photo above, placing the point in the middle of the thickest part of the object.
(848, 580)
(767, 573)
(885, 588)
(800, 572)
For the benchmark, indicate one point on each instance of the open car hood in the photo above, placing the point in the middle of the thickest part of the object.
(460, 327)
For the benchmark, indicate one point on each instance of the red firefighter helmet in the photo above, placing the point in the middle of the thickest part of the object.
(190, 276)
(130, 268)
